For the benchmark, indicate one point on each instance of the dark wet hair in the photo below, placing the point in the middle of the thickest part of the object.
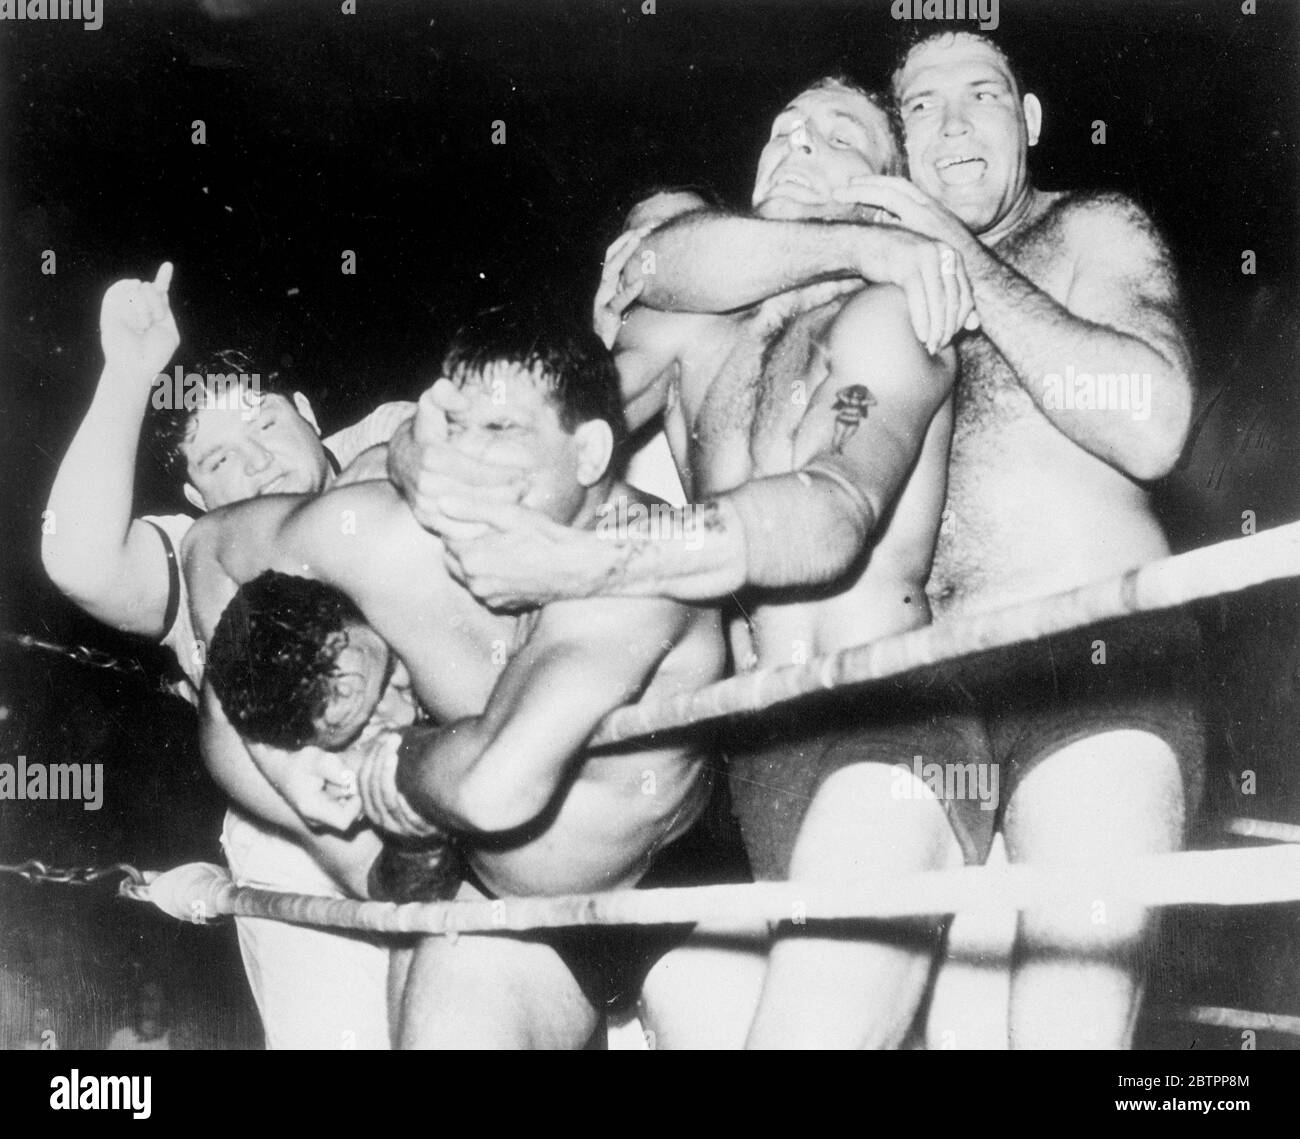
(273, 652)
(576, 368)
(168, 427)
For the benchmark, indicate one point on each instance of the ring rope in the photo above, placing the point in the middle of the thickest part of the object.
(1224, 567)
(1252, 876)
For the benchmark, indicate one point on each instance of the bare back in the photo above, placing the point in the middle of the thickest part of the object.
(615, 806)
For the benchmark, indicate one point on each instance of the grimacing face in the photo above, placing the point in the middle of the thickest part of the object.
(819, 142)
(508, 418)
(267, 445)
(967, 128)
(358, 687)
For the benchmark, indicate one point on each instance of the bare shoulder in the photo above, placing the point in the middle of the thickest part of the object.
(874, 329)
(1106, 223)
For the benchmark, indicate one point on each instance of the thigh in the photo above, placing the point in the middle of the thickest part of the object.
(315, 988)
(492, 991)
(1109, 794)
(703, 994)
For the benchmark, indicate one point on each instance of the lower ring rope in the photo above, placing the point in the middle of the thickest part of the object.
(1225, 567)
(1256, 876)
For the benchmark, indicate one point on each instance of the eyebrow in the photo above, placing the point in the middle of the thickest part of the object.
(998, 80)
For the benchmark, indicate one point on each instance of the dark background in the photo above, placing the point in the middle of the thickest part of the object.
(372, 132)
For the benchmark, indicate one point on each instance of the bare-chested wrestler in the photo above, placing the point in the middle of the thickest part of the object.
(224, 432)
(517, 696)
(1075, 394)
(813, 433)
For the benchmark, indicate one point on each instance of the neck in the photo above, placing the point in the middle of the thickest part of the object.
(597, 496)
(1022, 210)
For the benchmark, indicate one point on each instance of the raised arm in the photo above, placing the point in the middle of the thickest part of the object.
(114, 567)
(855, 445)
(499, 771)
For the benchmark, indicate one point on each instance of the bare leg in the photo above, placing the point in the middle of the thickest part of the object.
(704, 994)
(1077, 971)
(858, 986)
(492, 992)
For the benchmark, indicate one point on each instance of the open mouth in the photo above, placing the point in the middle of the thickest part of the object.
(788, 178)
(960, 169)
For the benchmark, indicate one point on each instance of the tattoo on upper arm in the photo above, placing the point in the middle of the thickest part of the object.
(851, 407)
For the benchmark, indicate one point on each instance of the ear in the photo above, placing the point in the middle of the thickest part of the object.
(595, 449)
(194, 498)
(303, 405)
(1033, 118)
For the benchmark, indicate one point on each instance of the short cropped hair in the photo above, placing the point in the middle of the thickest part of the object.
(272, 655)
(169, 426)
(912, 34)
(575, 368)
(883, 103)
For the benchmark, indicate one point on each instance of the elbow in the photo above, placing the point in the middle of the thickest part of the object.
(484, 809)
(1161, 443)
(75, 576)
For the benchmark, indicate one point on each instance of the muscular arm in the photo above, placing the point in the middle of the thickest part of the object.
(1120, 315)
(500, 770)
(710, 261)
(345, 859)
(801, 528)
(114, 567)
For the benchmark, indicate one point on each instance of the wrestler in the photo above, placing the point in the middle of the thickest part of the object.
(812, 431)
(1098, 735)
(228, 440)
(517, 696)
(1105, 751)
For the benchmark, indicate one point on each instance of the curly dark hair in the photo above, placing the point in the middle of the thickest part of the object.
(273, 652)
(168, 427)
(577, 369)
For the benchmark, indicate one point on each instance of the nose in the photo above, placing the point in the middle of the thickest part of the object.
(256, 458)
(955, 122)
(800, 139)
